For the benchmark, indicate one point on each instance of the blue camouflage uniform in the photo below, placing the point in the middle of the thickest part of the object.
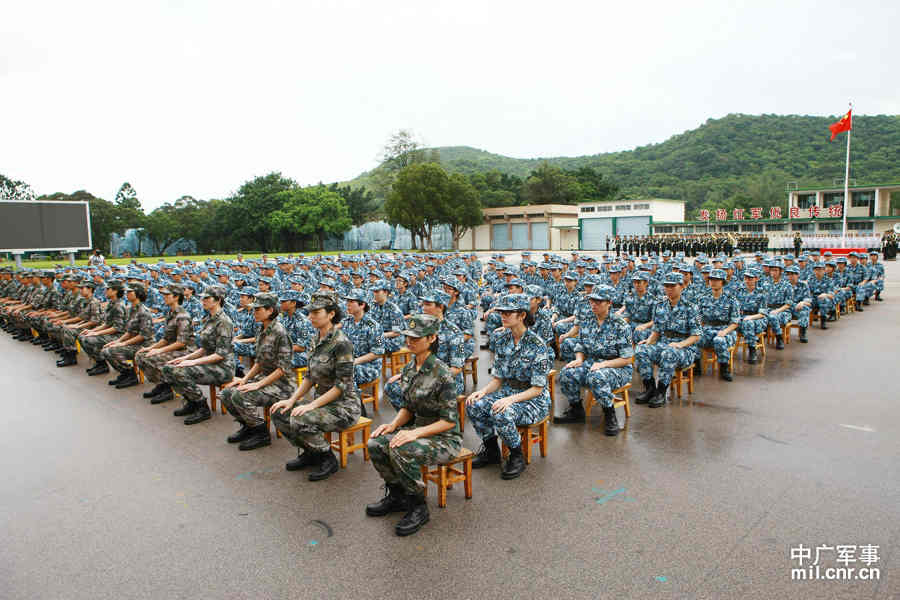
(716, 314)
(673, 324)
(752, 303)
(366, 336)
(639, 309)
(800, 293)
(390, 317)
(300, 331)
(777, 295)
(817, 287)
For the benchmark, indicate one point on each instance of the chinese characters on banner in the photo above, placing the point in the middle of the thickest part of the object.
(739, 214)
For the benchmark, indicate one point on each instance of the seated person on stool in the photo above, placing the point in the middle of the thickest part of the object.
(822, 292)
(138, 333)
(779, 298)
(672, 344)
(388, 315)
(517, 393)
(366, 336)
(720, 314)
(754, 312)
(602, 352)
(638, 307)
(177, 337)
(424, 432)
(802, 300)
(297, 325)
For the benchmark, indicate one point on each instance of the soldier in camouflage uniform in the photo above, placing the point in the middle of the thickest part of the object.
(212, 363)
(517, 393)
(366, 336)
(93, 340)
(822, 292)
(70, 304)
(90, 316)
(542, 317)
(337, 403)
(297, 325)
(876, 275)
(246, 327)
(801, 304)
(424, 432)
(270, 379)
(638, 307)
(176, 341)
(779, 298)
(721, 315)
(754, 311)
(603, 359)
(673, 343)
(138, 333)
(388, 315)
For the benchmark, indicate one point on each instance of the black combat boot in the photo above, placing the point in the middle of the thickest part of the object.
(649, 391)
(122, 375)
(751, 357)
(328, 466)
(484, 346)
(573, 414)
(158, 388)
(303, 460)
(129, 379)
(69, 358)
(725, 371)
(489, 454)
(878, 297)
(779, 342)
(802, 337)
(610, 423)
(101, 368)
(659, 398)
(698, 367)
(164, 396)
(202, 414)
(259, 438)
(515, 464)
(822, 322)
(239, 370)
(416, 515)
(866, 301)
(188, 408)
(859, 307)
(394, 501)
(241, 434)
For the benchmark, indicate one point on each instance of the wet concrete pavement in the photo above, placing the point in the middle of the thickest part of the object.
(105, 496)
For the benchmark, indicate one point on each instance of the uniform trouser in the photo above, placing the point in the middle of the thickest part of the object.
(878, 285)
(824, 305)
(187, 380)
(68, 337)
(841, 297)
(245, 349)
(801, 315)
(864, 291)
(752, 328)
(561, 328)
(666, 357)
(367, 372)
(777, 321)
(92, 345)
(152, 365)
(117, 356)
(711, 339)
(393, 344)
(54, 331)
(394, 392)
(402, 465)
(488, 424)
(639, 335)
(242, 405)
(306, 430)
(567, 349)
(37, 323)
(601, 382)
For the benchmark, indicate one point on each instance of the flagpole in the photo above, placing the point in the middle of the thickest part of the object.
(846, 187)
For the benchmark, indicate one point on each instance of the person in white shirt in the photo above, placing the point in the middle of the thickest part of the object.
(97, 259)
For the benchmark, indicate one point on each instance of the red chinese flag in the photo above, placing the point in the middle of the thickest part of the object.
(845, 124)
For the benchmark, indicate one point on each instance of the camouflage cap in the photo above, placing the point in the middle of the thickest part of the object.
(534, 291)
(289, 296)
(819, 265)
(214, 291)
(359, 295)
(570, 275)
(323, 300)
(135, 287)
(381, 284)
(436, 296)
(718, 274)
(641, 276)
(515, 281)
(673, 278)
(116, 284)
(456, 284)
(752, 273)
(830, 263)
(513, 302)
(249, 290)
(420, 326)
(172, 288)
(265, 300)
(88, 283)
(328, 281)
(792, 269)
(602, 292)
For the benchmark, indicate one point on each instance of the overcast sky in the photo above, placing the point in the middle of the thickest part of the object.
(197, 97)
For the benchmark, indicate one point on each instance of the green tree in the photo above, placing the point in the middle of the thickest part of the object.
(127, 197)
(462, 207)
(313, 211)
(402, 149)
(161, 226)
(249, 209)
(593, 187)
(14, 190)
(551, 185)
(417, 199)
(361, 203)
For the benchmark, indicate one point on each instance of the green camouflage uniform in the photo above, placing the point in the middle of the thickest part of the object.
(177, 329)
(91, 312)
(215, 336)
(115, 318)
(273, 351)
(140, 322)
(430, 394)
(330, 365)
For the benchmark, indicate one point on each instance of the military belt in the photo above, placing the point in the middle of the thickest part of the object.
(750, 312)
(717, 323)
(517, 384)
(617, 306)
(777, 305)
(675, 335)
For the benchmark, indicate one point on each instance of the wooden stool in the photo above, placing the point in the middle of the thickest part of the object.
(851, 304)
(372, 395)
(760, 344)
(685, 375)
(268, 421)
(787, 331)
(445, 474)
(138, 372)
(470, 367)
(708, 357)
(785, 334)
(346, 442)
(534, 433)
(551, 383)
(301, 371)
(461, 411)
(399, 360)
(620, 398)
(213, 389)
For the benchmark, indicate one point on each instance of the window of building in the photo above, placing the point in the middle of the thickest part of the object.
(802, 226)
(642, 206)
(728, 227)
(757, 227)
(606, 208)
(833, 199)
(662, 229)
(805, 200)
(685, 229)
(829, 226)
(862, 198)
(623, 207)
(587, 209)
(860, 226)
(775, 227)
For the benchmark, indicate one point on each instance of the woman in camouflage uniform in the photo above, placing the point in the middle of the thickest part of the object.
(517, 394)
(424, 432)
(90, 316)
(270, 378)
(212, 363)
(93, 340)
(177, 336)
(138, 333)
(366, 335)
(336, 405)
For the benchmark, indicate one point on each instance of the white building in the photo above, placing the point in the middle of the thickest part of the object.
(599, 220)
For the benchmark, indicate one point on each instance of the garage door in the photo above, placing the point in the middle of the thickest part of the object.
(500, 240)
(594, 232)
(539, 236)
(633, 226)
(519, 236)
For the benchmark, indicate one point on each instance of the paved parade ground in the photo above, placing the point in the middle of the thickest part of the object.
(106, 496)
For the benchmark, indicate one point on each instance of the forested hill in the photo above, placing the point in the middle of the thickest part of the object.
(738, 160)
